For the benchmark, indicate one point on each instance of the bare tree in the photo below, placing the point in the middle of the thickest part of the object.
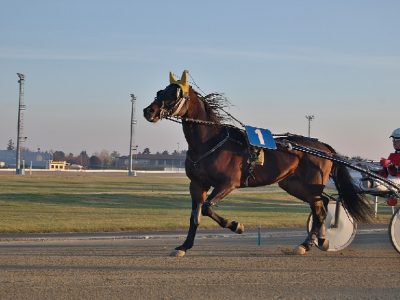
(105, 158)
(59, 155)
(115, 154)
(83, 159)
(10, 145)
(114, 158)
(70, 158)
(95, 162)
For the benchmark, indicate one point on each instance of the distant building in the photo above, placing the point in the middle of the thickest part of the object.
(152, 161)
(38, 159)
(57, 165)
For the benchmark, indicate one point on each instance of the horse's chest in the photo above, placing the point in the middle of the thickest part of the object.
(196, 171)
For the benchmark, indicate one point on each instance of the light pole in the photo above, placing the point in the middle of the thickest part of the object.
(309, 118)
(20, 139)
(133, 122)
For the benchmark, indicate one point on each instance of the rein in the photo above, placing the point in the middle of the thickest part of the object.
(180, 120)
(289, 145)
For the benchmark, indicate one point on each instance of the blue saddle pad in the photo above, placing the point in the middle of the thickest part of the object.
(260, 137)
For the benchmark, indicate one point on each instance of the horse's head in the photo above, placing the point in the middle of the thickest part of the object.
(171, 101)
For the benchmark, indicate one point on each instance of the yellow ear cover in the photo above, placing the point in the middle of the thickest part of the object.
(183, 82)
(171, 78)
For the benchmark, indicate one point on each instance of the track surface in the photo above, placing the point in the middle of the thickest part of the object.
(220, 266)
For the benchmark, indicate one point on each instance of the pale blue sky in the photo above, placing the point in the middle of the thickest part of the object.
(276, 61)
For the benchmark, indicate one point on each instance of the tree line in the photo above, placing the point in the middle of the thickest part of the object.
(98, 160)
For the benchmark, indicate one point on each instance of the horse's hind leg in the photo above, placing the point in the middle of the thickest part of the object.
(318, 229)
(217, 195)
(312, 194)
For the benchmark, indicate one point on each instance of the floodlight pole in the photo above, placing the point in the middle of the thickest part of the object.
(20, 139)
(309, 118)
(133, 122)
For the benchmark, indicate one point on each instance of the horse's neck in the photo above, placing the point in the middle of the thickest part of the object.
(197, 135)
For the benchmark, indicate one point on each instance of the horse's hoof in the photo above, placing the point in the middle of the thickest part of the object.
(323, 244)
(300, 250)
(178, 253)
(239, 228)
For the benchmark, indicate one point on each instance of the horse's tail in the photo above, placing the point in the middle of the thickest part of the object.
(355, 202)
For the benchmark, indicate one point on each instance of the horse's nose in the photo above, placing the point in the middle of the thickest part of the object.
(150, 114)
(147, 111)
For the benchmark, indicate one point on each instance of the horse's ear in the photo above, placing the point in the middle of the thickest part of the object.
(184, 83)
(184, 78)
(171, 78)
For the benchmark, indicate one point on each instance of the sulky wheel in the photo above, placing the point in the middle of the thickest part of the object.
(342, 235)
(394, 230)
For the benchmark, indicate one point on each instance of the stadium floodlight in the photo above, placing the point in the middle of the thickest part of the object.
(131, 172)
(309, 118)
(20, 139)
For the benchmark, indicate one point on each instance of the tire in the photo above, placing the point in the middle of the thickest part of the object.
(342, 236)
(394, 230)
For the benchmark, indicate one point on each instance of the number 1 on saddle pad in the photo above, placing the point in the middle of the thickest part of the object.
(260, 137)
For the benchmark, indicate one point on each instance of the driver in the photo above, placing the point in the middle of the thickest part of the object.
(391, 165)
(389, 168)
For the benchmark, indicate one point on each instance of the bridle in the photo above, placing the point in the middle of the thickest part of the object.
(171, 112)
(167, 111)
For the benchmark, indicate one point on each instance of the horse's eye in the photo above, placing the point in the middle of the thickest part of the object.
(169, 95)
(159, 96)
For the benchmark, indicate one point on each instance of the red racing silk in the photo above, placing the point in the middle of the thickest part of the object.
(394, 168)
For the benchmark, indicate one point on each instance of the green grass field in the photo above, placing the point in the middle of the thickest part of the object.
(79, 202)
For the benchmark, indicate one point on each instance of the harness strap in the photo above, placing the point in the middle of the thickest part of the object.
(251, 163)
(212, 150)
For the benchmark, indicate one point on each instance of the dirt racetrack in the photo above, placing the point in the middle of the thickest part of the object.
(221, 266)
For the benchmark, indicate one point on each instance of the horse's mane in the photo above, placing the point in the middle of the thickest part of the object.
(215, 104)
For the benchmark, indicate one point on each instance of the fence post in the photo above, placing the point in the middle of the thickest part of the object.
(259, 235)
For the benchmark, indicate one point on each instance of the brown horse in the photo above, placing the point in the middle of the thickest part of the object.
(220, 157)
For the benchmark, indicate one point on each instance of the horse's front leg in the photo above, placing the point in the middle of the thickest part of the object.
(217, 195)
(198, 194)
